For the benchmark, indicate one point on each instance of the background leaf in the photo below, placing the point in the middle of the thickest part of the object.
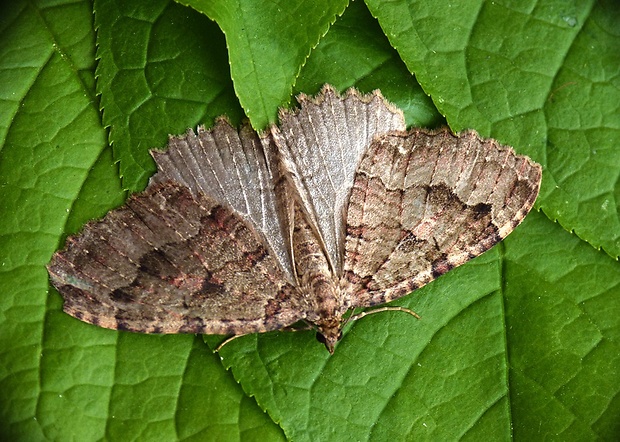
(520, 343)
(268, 42)
(162, 69)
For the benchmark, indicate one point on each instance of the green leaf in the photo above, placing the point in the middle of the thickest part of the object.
(53, 138)
(268, 42)
(162, 69)
(522, 342)
(564, 348)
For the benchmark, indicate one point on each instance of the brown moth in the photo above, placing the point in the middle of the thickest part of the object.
(338, 207)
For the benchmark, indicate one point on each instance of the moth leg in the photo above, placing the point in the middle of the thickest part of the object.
(228, 340)
(291, 328)
(387, 308)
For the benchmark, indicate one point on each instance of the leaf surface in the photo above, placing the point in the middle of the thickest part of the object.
(520, 343)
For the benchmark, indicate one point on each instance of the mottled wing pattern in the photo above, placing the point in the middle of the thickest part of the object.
(337, 207)
(321, 146)
(171, 262)
(236, 168)
(425, 202)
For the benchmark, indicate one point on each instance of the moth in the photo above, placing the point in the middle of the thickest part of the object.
(338, 207)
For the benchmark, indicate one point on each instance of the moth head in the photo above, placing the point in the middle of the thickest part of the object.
(329, 335)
